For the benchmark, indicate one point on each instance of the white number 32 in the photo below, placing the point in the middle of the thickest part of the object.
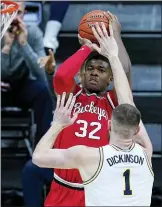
(83, 129)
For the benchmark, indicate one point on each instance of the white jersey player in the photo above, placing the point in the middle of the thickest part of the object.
(123, 178)
(119, 174)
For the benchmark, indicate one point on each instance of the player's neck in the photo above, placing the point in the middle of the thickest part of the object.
(97, 93)
(120, 142)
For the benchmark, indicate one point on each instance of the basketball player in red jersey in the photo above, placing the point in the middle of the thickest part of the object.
(94, 106)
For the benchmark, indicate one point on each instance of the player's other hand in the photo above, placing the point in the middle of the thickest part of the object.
(48, 62)
(114, 22)
(108, 46)
(62, 114)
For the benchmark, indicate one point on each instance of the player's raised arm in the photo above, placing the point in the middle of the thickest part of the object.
(123, 55)
(44, 155)
(64, 77)
(108, 48)
(142, 138)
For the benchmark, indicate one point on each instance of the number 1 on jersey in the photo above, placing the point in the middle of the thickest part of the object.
(127, 190)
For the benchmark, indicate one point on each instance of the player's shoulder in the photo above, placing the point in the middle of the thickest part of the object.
(81, 152)
(106, 150)
(138, 147)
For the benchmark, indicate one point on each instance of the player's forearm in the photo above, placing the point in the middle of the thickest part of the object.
(122, 87)
(123, 56)
(64, 77)
(46, 143)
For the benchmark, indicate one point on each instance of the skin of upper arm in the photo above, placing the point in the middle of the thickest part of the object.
(70, 158)
(129, 80)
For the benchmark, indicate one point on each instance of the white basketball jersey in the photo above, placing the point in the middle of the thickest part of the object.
(123, 178)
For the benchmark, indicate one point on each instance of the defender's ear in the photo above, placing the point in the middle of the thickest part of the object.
(137, 130)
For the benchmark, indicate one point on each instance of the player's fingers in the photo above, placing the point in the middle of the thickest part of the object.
(95, 47)
(111, 16)
(72, 104)
(115, 17)
(96, 34)
(104, 29)
(111, 30)
(69, 101)
(58, 102)
(79, 37)
(99, 31)
(63, 100)
(74, 117)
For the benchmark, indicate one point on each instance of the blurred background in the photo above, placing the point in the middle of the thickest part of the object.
(141, 33)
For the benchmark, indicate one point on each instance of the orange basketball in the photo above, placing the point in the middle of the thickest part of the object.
(89, 20)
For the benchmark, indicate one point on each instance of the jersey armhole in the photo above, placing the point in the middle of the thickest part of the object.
(112, 99)
(98, 169)
(77, 89)
(148, 162)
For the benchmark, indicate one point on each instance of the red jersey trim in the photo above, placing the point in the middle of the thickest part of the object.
(110, 101)
(67, 186)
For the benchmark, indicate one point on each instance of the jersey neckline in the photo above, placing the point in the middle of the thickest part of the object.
(123, 150)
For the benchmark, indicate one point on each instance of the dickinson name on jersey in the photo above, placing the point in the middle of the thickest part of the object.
(125, 158)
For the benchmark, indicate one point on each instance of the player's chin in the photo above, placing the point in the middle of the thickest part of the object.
(94, 88)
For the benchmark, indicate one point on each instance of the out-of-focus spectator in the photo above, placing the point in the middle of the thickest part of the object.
(57, 12)
(38, 177)
(24, 83)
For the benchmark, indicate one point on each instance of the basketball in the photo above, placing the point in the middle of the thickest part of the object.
(89, 20)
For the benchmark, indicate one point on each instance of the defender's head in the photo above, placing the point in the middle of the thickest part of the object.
(96, 73)
(125, 120)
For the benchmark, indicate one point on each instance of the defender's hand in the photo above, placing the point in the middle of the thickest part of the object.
(108, 46)
(62, 114)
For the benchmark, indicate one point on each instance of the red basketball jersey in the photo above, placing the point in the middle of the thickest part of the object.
(90, 129)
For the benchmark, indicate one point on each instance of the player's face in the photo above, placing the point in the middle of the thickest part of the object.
(96, 76)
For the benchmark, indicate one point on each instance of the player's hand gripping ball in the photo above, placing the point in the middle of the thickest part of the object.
(89, 20)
